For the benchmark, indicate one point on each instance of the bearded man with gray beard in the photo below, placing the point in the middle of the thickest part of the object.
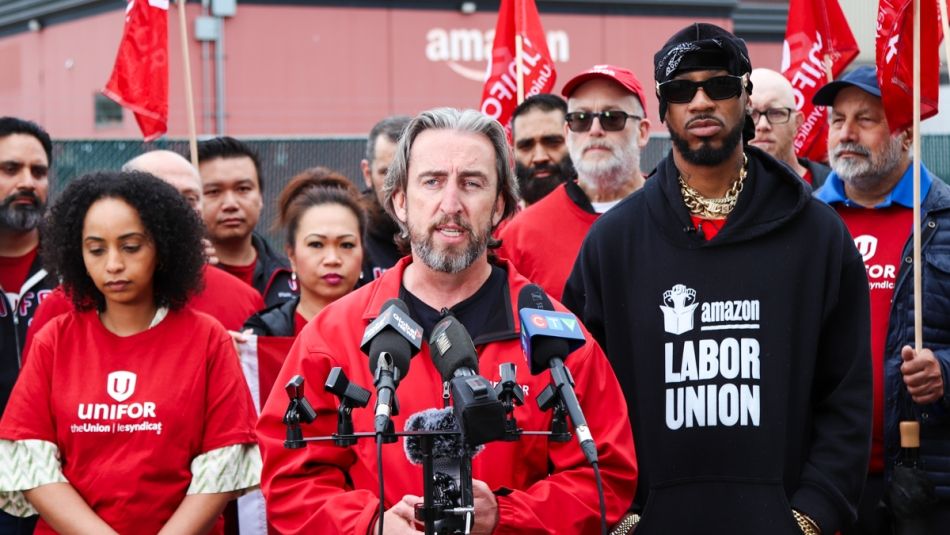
(872, 189)
(606, 127)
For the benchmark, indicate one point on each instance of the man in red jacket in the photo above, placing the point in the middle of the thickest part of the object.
(606, 126)
(449, 185)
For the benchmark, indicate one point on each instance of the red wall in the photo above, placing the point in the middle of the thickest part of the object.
(313, 70)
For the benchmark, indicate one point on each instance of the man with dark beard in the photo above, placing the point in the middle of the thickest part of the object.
(541, 160)
(450, 183)
(379, 246)
(25, 156)
(872, 190)
(733, 307)
(605, 129)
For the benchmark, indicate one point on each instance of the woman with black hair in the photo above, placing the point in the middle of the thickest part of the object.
(131, 414)
(324, 222)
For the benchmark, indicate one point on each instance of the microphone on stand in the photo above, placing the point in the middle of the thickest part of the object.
(547, 337)
(476, 405)
(390, 341)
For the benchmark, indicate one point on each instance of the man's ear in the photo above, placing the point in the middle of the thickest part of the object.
(367, 174)
(399, 207)
(499, 211)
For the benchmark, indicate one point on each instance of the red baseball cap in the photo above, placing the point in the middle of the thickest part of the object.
(624, 77)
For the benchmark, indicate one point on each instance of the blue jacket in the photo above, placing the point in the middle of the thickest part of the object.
(935, 250)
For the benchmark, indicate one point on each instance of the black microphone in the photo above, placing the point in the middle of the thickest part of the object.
(476, 405)
(547, 337)
(390, 341)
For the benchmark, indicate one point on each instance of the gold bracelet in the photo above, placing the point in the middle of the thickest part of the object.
(805, 523)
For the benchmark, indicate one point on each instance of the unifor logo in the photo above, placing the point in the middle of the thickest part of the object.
(120, 385)
(679, 303)
(867, 246)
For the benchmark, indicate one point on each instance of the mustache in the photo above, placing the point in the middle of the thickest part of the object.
(23, 195)
(852, 147)
(453, 219)
(704, 117)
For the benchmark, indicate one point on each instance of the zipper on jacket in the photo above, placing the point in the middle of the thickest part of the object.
(445, 394)
(927, 233)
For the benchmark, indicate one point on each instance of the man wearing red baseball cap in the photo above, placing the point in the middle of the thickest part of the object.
(606, 126)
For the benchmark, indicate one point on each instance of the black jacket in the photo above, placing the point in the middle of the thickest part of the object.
(269, 262)
(819, 172)
(277, 320)
(745, 359)
(14, 320)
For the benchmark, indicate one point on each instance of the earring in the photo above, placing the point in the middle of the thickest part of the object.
(293, 277)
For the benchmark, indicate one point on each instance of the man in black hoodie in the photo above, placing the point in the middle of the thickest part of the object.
(734, 309)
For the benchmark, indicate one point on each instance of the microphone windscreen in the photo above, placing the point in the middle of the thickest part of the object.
(533, 296)
(452, 348)
(443, 446)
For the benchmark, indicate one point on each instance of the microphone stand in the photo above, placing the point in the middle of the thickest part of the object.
(440, 516)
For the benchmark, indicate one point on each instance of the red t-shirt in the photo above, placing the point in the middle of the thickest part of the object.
(14, 269)
(244, 273)
(227, 299)
(709, 227)
(543, 240)
(880, 235)
(129, 414)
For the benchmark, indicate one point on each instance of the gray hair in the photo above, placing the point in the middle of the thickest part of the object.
(462, 121)
(392, 127)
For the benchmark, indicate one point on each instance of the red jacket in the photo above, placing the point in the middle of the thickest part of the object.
(323, 488)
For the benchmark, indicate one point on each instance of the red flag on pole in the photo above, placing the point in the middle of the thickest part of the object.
(139, 79)
(895, 60)
(500, 94)
(817, 39)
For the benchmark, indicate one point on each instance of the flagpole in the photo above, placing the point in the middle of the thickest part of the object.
(946, 29)
(918, 327)
(519, 48)
(189, 92)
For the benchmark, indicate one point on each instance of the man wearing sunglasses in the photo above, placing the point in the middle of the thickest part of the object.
(605, 127)
(25, 155)
(733, 307)
(777, 122)
(871, 188)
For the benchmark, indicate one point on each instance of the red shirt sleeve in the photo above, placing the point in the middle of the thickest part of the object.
(569, 493)
(229, 410)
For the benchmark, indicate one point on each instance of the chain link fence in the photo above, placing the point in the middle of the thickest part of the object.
(281, 159)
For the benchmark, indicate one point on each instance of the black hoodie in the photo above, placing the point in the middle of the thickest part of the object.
(745, 359)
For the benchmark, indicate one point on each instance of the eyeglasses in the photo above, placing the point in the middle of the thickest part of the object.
(610, 121)
(716, 88)
(772, 115)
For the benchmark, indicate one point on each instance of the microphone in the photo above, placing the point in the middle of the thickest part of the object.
(390, 341)
(547, 337)
(476, 405)
(452, 504)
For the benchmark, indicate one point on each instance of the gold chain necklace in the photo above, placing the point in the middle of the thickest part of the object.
(714, 208)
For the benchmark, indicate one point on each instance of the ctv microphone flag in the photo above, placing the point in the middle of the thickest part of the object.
(518, 20)
(139, 79)
(895, 60)
(817, 39)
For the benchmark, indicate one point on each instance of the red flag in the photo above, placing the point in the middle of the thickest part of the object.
(816, 30)
(139, 79)
(895, 60)
(261, 358)
(500, 95)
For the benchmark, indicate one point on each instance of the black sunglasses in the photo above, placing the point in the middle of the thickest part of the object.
(716, 88)
(610, 121)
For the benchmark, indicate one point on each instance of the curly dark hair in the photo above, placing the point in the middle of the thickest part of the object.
(170, 223)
